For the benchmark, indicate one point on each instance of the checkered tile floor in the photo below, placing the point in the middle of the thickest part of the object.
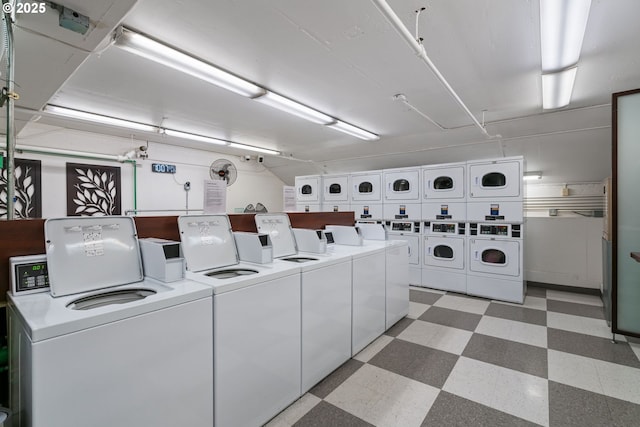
(464, 361)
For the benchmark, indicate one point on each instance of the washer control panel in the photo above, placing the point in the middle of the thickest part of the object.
(29, 274)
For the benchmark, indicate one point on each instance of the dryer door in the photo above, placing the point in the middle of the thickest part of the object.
(366, 187)
(495, 179)
(402, 185)
(443, 183)
(445, 252)
(414, 246)
(500, 257)
(335, 188)
(307, 189)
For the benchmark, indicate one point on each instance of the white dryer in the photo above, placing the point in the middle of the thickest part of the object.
(495, 190)
(402, 198)
(335, 189)
(445, 256)
(444, 195)
(366, 194)
(123, 351)
(325, 296)
(409, 231)
(256, 323)
(495, 268)
(308, 189)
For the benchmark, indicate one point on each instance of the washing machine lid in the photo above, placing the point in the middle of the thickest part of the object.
(89, 253)
(278, 227)
(207, 241)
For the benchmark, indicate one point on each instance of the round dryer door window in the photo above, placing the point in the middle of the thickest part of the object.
(443, 251)
(401, 185)
(494, 256)
(365, 187)
(306, 189)
(335, 189)
(494, 179)
(443, 183)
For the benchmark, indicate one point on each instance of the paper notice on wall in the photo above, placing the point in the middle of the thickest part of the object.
(289, 198)
(215, 197)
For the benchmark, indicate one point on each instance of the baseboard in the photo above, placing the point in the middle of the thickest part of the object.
(565, 288)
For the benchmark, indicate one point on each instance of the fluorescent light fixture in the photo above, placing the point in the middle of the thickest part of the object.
(529, 176)
(97, 118)
(194, 137)
(562, 27)
(353, 131)
(252, 148)
(158, 52)
(557, 88)
(292, 107)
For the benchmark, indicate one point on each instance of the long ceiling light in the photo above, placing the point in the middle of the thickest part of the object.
(98, 118)
(158, 52)
(562, 27)
(194, 137)
(252, 148)
(292, 107)
(353, 131)
(170, 57)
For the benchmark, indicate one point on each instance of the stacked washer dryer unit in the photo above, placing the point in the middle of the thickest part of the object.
(495, 214)
(256, 319)
(366, 195)
(325, 296)
(402, 211)
(103, 346)
(444, 210)
(308, 193)
(335, 193)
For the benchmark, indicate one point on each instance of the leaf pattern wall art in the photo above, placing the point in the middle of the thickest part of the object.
(93, 190)
(28, 189)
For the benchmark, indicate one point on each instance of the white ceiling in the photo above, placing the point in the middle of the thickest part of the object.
(343, 58)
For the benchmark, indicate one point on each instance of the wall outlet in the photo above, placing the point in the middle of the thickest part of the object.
(565, 191)
(553, 212)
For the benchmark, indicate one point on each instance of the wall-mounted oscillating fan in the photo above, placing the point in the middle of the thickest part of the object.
(223, 169)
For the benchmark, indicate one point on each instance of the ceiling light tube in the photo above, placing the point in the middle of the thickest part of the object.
(562, 27)
(292, 107)
(353, 131)
(97, 118)
(528, 176)
(557, 88)
(194, 137)
(252, 148)
(158, 52)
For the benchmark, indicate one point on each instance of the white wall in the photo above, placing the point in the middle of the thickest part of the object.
(154, 191)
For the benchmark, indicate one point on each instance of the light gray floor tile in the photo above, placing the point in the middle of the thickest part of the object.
(445, 338)
(417, 362)
(508, 354)
(325, 414)
(450, 410)
(591, 346)
(453, 318)
(575, 309)
(337, 377)
(400, 326)
(295, 411)
(526, 333)
(579, 324)
(372, 349)
(520, 314)
(423, 297)
(416, 309)
(463, 303)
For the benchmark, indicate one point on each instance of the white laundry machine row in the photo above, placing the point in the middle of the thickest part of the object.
(256, 320)
(410, 232)
(495, 269)
(444, 195)
(402, 194)
(495, 190)
(445, 256)
(104, 346)
(325, 296)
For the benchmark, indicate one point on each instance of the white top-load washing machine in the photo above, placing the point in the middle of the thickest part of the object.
(409, 231)
(325, 295)
(402, 195)
(105, 346)
(397, 270)
(308, 190)
(495, 269)
(335, 193)
(443, 192)
(445, 256)
(495, 190)
(256, 322)
(366, 195)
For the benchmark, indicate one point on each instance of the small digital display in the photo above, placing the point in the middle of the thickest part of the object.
(163, 168)
(31, 276)
(402, 226)
(444, 228)
(495, 230)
